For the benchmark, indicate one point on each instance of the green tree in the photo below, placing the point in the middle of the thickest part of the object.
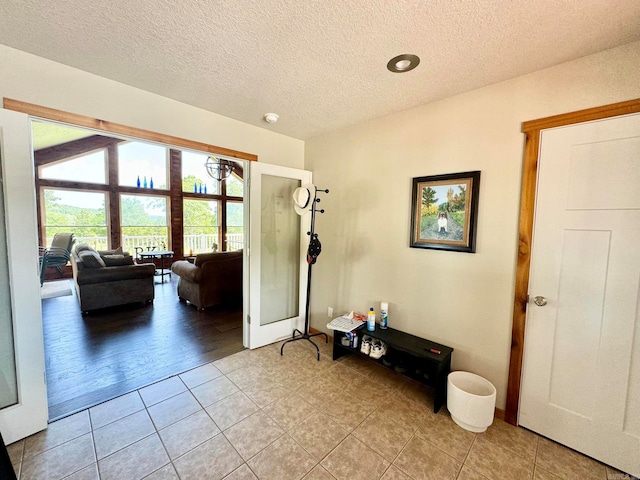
(428, 197)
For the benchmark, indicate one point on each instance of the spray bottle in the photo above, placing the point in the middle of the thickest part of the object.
(384, 314)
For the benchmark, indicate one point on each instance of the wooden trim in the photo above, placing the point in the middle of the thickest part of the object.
(499, 414)
(118, 129)
(597, 113)
(177, 208)
(525, 233)
(72, 149)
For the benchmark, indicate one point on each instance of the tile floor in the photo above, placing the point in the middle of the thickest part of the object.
(256, 414)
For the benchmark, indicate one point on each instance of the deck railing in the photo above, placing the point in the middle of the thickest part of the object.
(197, 243)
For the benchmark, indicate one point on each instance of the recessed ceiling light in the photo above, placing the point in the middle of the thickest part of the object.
(271, 117)
(403, 63)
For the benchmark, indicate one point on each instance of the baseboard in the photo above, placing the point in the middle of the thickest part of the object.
(499, 414)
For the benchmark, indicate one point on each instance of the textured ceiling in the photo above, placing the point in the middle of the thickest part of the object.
(320, 65)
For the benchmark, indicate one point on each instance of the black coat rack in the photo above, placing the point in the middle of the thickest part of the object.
(313, 251)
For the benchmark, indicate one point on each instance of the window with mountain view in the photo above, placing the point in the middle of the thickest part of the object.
(79, 212)
(144, 222)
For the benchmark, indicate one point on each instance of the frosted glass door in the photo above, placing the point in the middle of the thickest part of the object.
(279, 250)
(277, 281)
(8, 377)
(23, 393)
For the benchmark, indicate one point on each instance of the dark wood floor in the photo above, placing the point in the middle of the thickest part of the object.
(108, 353)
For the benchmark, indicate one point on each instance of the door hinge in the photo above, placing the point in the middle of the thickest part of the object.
(249, 319)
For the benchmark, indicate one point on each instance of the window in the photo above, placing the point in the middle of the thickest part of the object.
(235, 187)
(79, 212)
(90, 168)
(235, 229)
(194, 174)
(142, 161)
(144, 222)
(201, 226)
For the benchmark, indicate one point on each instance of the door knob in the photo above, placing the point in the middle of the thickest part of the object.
(540, 301)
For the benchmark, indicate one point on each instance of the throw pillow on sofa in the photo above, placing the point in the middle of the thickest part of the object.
(117, 251)
(91, 259)
(117, 260)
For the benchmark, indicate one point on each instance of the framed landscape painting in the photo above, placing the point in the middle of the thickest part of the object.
(444, 209)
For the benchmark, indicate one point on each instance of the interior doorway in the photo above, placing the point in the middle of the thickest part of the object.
(114, 191)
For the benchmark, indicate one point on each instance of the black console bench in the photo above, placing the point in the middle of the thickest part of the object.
(423, 360)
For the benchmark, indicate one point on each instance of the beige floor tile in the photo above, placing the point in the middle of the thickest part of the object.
(382, 433)
(406, 412)
(352, 460)
(212, 460)
(289, 411)
(291, 378)
(567, 463)
(318, 435)
(61, 460)
(17, 466)
(337, 402)
(214, 390)
(445, 434)
(613, 474)
(122, 433)
(173, 409)
(521, 441)
(394, 473)
(326, 347)
(165, 473)
(419, 393)
(115, 409)
(198, 376)
(160, 391)
(188, 433)
(134, 462)
(87, 473)
(57, 433)
(253, 434)
(233, 362)
(231, 410)
(497, 462)
(468, 474)
(16, 450)
(246, 376)
(265, 392)
(423, 460)
(243, 472)
(319, 473)
(283, 459)
(540, 473)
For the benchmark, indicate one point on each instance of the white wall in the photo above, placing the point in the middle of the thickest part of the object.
(459, 299)
(36, 80)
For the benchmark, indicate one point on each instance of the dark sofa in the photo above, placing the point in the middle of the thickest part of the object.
(108, 278)
(212, 279)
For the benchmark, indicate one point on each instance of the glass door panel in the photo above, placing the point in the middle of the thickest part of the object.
(8, 377)
(279, 250)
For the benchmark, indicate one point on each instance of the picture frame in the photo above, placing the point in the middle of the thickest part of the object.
(444, 211)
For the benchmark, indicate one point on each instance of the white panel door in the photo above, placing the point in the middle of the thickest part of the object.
(277, 254)
(581, 368)
(22, 356)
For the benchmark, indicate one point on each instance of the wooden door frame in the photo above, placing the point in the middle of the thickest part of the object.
(532, 130)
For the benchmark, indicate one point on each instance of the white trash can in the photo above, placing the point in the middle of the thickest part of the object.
(471, 400)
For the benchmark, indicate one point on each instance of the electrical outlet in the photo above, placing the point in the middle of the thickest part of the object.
(330, 312)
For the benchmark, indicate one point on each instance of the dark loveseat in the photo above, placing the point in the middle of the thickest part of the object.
(108, 278)
(212, 278)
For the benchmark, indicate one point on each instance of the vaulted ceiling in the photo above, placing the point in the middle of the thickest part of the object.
(319, 65)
